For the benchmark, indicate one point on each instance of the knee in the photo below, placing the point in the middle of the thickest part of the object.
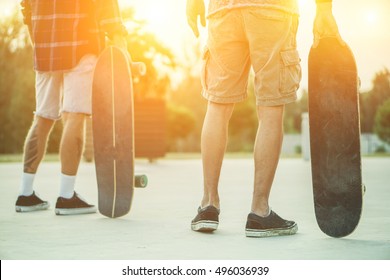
(42, 124)
(221, 111)
(73, 117)
(73, 127)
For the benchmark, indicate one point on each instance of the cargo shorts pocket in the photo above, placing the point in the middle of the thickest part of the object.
(290, 72)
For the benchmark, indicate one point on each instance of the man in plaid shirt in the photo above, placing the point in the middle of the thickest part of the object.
(67, 36)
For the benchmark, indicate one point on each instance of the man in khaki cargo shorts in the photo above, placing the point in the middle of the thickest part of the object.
(245, 34)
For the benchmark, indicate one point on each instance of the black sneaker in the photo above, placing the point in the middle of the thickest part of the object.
(206, 220)
(30, 203)
(73, 206)
(273, 225)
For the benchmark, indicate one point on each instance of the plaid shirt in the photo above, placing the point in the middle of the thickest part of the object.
(63, 31)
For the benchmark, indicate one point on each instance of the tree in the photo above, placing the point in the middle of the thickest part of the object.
(17, 91)
(293, 114)
(187, 94)
(382, 122)
(17, 84)
(243, 124)
(373, 99)
(159, 59)
(180, 122)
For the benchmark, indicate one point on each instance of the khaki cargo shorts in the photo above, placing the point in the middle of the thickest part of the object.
(262, 39)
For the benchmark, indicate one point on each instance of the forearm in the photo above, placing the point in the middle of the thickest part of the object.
(109, 18)
(324, 23)
(25, 7)
(324, 5)
(324, 9)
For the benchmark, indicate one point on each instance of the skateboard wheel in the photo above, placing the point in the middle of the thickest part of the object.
(141, 181)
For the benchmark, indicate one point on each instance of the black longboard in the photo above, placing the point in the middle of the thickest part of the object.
(113, 133)
(335, 137)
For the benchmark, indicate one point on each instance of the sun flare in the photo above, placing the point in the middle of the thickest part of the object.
(156, 19)
(5, 12)
(166, 19)
(371, 17)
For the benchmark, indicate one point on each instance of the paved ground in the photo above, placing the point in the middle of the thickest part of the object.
(158, 227)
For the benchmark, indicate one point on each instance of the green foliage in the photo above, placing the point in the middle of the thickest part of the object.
(188, 95)
(382, 122)
(180, 123)
(293, 114)
(380, 150)
(17, 85)
(373, 99)
(243, 125)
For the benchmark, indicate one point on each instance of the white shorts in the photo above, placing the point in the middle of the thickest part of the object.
(65, 91)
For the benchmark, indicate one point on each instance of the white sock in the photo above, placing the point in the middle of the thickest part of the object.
(26, 186)
(67, 186)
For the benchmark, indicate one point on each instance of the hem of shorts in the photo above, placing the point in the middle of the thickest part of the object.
(283, 100)
(224, 100)
(47, 116)
(72, 112)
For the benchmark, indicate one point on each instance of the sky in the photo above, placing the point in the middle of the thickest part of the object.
(364, 25)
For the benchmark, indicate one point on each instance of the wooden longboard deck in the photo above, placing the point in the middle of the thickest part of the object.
(113, 129)
(335, 138)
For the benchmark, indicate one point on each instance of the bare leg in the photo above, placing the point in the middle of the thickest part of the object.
(34, 150)
(213, 146)
(36, 142)
(72, 142)
(266, 155)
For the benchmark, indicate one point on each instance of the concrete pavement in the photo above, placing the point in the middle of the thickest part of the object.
(158, 226)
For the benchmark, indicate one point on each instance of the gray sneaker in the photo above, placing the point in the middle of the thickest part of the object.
(30, 203)
(273, 225)
(73, 206)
